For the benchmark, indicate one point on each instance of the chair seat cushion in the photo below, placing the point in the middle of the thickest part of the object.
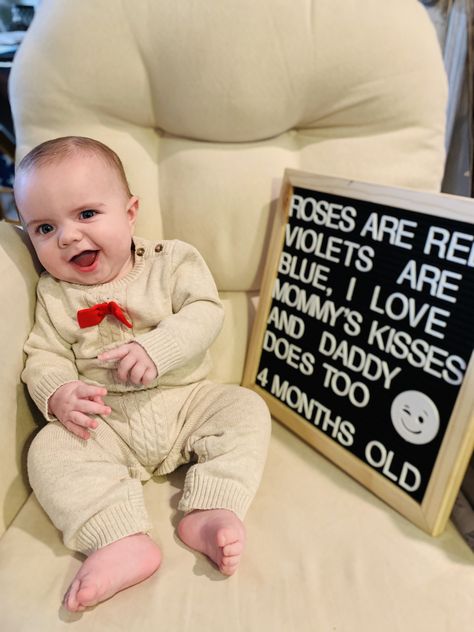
(322, 554)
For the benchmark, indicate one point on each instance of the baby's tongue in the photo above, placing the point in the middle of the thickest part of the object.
(85, 259)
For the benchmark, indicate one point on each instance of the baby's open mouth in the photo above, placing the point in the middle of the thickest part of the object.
(85, 259)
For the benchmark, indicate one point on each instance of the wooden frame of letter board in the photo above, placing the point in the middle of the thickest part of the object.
(458, 443)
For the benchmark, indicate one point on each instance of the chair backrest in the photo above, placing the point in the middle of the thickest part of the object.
(207, 103)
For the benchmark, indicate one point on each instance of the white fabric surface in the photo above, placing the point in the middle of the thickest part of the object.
(321, 555)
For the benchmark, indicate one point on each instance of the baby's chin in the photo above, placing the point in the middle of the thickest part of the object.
(97, 271)
(77, 278)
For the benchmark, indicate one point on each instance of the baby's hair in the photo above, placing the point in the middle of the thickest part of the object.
(51, 151)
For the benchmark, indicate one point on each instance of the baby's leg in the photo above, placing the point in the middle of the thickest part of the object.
(218, 533)
(111, 569)
(87, 490)
(230, 442)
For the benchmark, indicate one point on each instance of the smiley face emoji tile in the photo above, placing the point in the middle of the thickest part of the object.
(415, 417)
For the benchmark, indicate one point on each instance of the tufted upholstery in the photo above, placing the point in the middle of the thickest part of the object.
(207, 103)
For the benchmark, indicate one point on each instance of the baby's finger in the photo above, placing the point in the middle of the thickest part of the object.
(148, 376)
(136, 374)
(89, 391)
(84, 421)
(80, 432)
(124, 368)
(90, 407)
(114, 354)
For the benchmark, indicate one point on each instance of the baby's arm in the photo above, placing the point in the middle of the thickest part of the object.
(188, 331)
(52, 378)
(196, 313)
(74, 402)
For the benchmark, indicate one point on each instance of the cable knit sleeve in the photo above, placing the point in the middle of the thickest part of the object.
(197, 313)
(50, 360)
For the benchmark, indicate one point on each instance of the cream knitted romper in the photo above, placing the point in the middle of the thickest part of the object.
(92, 490)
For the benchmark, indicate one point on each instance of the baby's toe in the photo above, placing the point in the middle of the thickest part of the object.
(70, 598)
(88, 595)
(229, 565)
(226, 536)
(235, 548)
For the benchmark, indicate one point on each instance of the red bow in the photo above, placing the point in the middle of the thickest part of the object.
(96, 314)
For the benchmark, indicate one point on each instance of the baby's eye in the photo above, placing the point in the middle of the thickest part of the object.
(87, 214)
(44, 229)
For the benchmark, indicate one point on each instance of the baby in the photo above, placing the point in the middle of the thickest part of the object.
(117, 362)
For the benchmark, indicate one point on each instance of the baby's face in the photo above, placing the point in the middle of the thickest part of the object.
(79, 218)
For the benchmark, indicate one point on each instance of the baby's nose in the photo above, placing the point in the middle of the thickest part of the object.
(68, 234)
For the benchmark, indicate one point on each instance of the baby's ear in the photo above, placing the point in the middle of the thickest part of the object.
(132, 210)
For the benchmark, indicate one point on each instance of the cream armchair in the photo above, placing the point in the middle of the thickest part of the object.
(207, 103)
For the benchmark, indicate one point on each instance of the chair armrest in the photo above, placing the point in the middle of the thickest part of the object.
(19, 276)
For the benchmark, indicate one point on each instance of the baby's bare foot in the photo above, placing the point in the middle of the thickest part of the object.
(217, 533)
(113, 568)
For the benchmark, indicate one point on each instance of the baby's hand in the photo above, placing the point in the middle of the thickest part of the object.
(134, 363)
(74, 402)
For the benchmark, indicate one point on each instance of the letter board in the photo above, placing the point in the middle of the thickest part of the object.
(364, 333)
